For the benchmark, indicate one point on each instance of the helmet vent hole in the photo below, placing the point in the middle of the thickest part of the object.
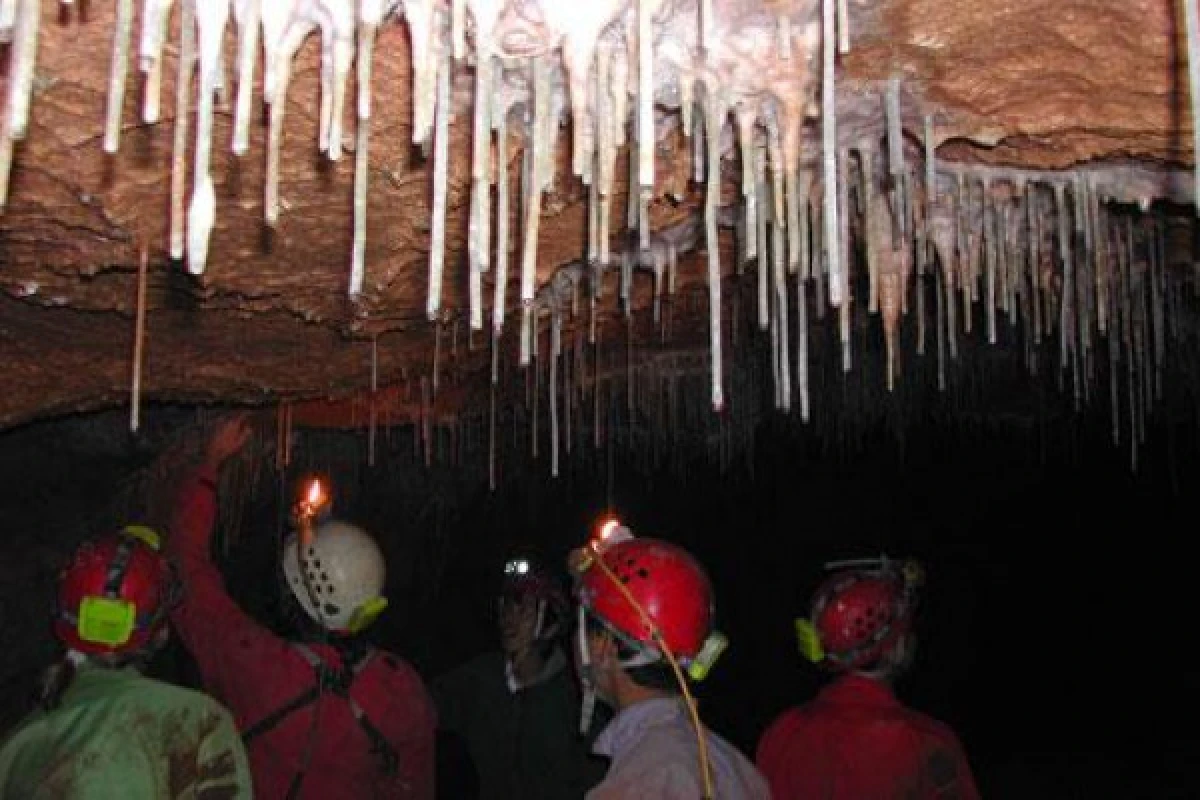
(324, 577)
(331, 609)
(643, 573)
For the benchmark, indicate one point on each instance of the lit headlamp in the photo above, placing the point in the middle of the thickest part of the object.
(311, 505)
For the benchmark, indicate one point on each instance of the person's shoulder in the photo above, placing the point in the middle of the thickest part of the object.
(159, 694)
(931, 727)
(789, 720)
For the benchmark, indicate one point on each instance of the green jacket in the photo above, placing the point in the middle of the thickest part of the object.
(118, 734)
(525, 743)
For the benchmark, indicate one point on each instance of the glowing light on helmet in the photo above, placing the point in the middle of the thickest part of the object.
(517, 568)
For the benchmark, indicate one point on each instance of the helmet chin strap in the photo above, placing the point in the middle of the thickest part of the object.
(588, 703)
(644, 656)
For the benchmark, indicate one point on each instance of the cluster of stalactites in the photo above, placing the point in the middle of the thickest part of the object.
(606, 63)
(1042, 256)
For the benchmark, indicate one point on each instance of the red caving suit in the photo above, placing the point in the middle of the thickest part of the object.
(856, 741)
(255, 673)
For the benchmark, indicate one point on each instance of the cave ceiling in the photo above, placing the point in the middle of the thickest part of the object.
(1030, 109)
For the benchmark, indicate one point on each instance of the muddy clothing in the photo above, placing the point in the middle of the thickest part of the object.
(119, 735)
(654, 753)
(524, 741)
(856, 740)
(257, 673)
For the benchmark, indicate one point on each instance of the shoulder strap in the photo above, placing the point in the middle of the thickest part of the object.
(337, 681)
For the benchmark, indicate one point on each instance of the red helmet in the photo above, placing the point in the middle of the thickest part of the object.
(115, 594)
(861, 614)
(666, 582)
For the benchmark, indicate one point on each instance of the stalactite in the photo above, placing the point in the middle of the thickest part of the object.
(424, 26)
(441, 142)
(249, 14)
(370, 16)
(829, 154)
(840, 245)
(802, 345)
(155, 17)
(119, 69)
(760, 189)
(211, 19)
(896, 167)
(478, 233)
(991, 247)
(746, 121)
(715, 111)
(500, 120)
(867, 166)
(1064, 321)
(139, 342)
(1192, 28)
(645, 113)
(183, 84)
(26, 15)
(533, 196)
(555, 352)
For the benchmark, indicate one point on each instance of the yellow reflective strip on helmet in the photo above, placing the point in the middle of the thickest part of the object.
(366, 613)
(809, 641)
(702, 664)
(144, 534)
(103, 620)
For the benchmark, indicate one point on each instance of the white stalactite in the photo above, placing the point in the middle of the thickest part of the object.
(22, 59)
(441, 137)
(248, 14)
(155, 17)
(118, 70)
(746, 121)
(760, 188)
(478, 238)
(423, 28)
(183, 92)
(211, 19)
(533, 205)
(843, 26)
(500, 118)
(829, 154)
(8, 20)
(371, 14)
(715, 111)
(645, 98)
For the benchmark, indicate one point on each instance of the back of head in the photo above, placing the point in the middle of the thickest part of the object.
(337, 577)
(861, 617)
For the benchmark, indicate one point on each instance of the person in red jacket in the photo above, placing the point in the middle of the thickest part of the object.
(327, 717)
(856, 740)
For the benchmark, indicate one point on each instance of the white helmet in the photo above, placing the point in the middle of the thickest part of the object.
(338, 578)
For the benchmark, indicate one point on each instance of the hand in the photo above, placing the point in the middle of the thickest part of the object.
(228, 438)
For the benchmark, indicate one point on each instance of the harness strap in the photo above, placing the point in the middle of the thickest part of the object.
(338, 681)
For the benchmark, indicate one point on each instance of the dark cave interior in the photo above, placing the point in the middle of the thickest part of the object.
(1053, 627)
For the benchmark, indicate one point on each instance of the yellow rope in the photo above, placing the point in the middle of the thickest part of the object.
(705, 768)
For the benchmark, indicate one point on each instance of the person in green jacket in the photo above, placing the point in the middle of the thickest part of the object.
(516, 710)
(103, 730)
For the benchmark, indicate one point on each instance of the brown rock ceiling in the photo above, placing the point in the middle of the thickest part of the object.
(1022, 82)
